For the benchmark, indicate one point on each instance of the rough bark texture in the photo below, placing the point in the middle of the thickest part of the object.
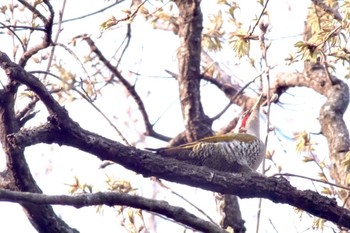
(197, 124)
(335, 130)
(232, 212)
(17, 168)
(62, 130)
(331, 116)
(333, 127)
(112, 199)
(336, 91)
(246, 185)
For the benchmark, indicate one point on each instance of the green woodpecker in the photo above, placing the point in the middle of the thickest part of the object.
(236, 152)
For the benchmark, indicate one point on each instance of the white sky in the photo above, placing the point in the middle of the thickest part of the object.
(156, 51)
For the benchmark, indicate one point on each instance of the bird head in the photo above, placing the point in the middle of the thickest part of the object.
(249, 122)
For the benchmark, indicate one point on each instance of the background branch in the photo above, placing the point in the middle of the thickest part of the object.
(331, 116)
(111, 199)
(130, 88)
(48, 23)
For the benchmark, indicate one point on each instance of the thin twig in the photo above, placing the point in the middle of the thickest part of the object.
(14, 33)
(264, 49)
(315, 159)
(158, 181)
(260, 16)
(87, 98)
(48, 23)
(312, 179)
(273, 226)
(60, 17)
(92, 13)
(21, 27)
(234, 98)
(34, 11)
(71, 52)
(127, 39)
(130, 88)
(28, 108)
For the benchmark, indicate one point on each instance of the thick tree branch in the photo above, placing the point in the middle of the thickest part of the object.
(233, 93)
(111, 199)
(18, 175)
(248, 185)
(232, 213)
(331, 116)
(64, 131)
(229, 205)
(197, 124)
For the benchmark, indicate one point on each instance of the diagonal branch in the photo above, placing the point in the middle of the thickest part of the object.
(34, 11)
(64, 131)
(18, 175)
(111, 199)
(332, 11)
(248, 185)
(331, 116)
(130, 88)
(48, 23)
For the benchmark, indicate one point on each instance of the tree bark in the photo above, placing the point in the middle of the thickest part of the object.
(18, 172)
(61, 129)
(197, 124)
(331, 119)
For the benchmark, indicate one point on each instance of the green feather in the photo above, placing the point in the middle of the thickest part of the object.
(214, 139)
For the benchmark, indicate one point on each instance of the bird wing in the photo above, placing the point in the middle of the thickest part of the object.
(214, 139)
(228, 138)
(203, 157)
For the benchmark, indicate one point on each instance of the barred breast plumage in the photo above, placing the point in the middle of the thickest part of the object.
(237, 152)
(229, 153)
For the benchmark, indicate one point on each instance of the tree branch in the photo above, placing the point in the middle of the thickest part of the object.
(197, 124)
(18, 175)
(232, 213)
(247, 185)
(130, 88)
(331, 116)
(64, 131)
(48, 23)
(111, 199)
(332, 11)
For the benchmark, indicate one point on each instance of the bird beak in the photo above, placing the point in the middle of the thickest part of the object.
(258, 102)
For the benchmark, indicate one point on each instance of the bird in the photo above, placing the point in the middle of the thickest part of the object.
(239, 152)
